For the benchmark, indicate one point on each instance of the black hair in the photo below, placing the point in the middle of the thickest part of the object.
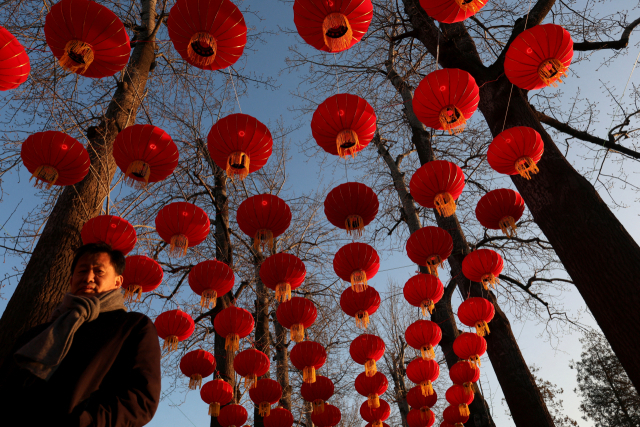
(117, 258)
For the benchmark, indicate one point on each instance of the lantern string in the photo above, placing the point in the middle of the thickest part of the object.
(336, 67)
(234, 88)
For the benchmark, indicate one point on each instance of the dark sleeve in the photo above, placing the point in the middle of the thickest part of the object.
(134, 400)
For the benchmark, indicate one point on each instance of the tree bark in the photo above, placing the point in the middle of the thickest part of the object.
(281, 346)
(261, 337)
(398, 372)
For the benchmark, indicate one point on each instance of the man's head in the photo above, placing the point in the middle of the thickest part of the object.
(96, 269)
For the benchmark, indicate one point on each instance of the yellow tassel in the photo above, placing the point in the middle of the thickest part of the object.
(297, 332)
(374, 401)
(526, 167)
(232, 342)
(132, 293)
(202, 49)
(427, 388)
(264, 409)
(482, 328)
(348, 143)
(77, 56)
(214, 409)
(318, 406)
(468, 387)
(208, 298)
(370, 367)
(425, 415)
(427, 352)
(377, 423)
(458, 425)
(354, 225)
(238, 165)
(170, 343)
(362, 319)
(250, 381)
(283, 291)
(489, 279)
(445, 205)
(452, 120)
(195, 382)
(337, 32)
(309, 374)
(45, 175)
(550, 72)
(179, 245)
(263, 238)
(432, 263)
(476, 359)
(508, 226)
(137, 174)
(359, 281)
(474, 5)
(427, 306)
(464, 410)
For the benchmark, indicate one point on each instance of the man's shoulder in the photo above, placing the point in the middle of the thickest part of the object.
(131, 318)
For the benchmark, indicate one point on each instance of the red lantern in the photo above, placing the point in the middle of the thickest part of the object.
(446, 424)
(516, 151)
(437, 185)
(112, 230)
(251, 364)
(452, 415)
(459, 396)
(182, 225)
(423, 335)
(351, 207)
(197, 364)
(297, 314)
(233, 323)
(208, 34)
(371, 425)
(423, 372)
(451, 11)
(446, 99)
(145, 154)
(360, 305)
(239, 144)
(424, 291)
(430, 247)
(54, 158)
(216, 393)
(210, 279)
(539, 57)
(332, 26)
(356, 263)
(465, 373)
(468, 346)
(263, 218)
(366, 350)
(174, 326)
(279, 417)
(232, 416)
(500, 210)
(343, 125)
(372, 387)
(317, 393)
(87, 38)
(282, 273)
(476, 312)
(328, 418)
(141, 274)
(308, 356)
(483, 266)
(266, 392)
(419, 401)
(375, 415)
(420, 418)
(14, 61)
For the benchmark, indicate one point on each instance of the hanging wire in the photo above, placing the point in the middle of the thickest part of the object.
(234, 88)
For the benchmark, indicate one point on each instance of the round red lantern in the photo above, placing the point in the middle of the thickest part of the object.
(459, 396)
(420, 418)
(424, 291)
(465, 373)
(356, 263)
(239, 144)
(446, 424)
(141, 274)
(375, 415)
(423, 335)
(437, 185)
(516, 151)
(423, 372)
(112, 230)
(14, 61)
(452, 415)
(328, 418)
(446, 99)
(282, 273)
(233, 323)
(216, 393)
(208, 34)
(366, 350)
(468, 346)
(360, 305)
(196, 365)
(343, 125)
(54, 158)
(182, 225)
(278, 417)
(451, 11)
(87, 38)
(145, 154)
(308, 356)
(297, 314)
(372, 387)
(232, 416)
(430, 247)
(500, 210)
(210, 279)
(419, 401)
(539, 57)
(351, 207)
(476, 312)
(317, 393)
(251, 364)
(332, 26)
(483, 266)
(266, 392)
(263, 218)
(174, 326)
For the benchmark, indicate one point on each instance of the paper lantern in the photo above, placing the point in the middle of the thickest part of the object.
(266, 392)
(430, 247)
(458, 396)
(420, 402)
(424, 291)
(465, 373)
(330, 417)
(500, 210)
(516, 151)
(210, 279)
(208, 34)
(446, 99)
(196, 365)
(451, 11)
(297, 314)
(483, 266)
(420, 418)
(87, 38)
(233, 323)
(343, 125)
(251, 364)
(141, 274)
(263, 218)
(375, 415)
(539, 57)
(423, 372)
(282, 273)
(14, 61)
(356, 263)
(423, 335)
(278, 417)
(360, 305)
(366, 350)
(232, 416)
(216, 393)
(476, 312)
(308, 356)
(182, 225)
(452, 415)
(112, 230)
(54, 158)
(372, 387)
(351, 207)
(437, 185)
(468, 346)
(317, 392)
(174, 326)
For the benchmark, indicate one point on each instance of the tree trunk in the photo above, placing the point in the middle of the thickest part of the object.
(261, 338)
(281, 346)
(398, 372)
(48, 274)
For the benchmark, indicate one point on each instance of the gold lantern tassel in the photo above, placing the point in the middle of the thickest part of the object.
(208, 298)
(77, 56)
(427, 352)
(432, 263)
(232, 342)
(348, 143)
(318, 406)
(370, 367)
(425, 415)
(132, 293)
(250, 381)
(377, 423)
(214, 409)
(550, 72)
(179, 245)
(489, 279)
(170, 343)
(354, 225)
(195, 381)
(458, 425)
(309, 374)
(526, 167)
(337, 32)
(264, 409)
(482, 328)
(473, 5)
(283, 291)
(362, 319)
(475, 359)
(359, 281)
(297, 332)
(427, 388)
(427, 306)
(202, 49)
(468, 387)
(445, 205)
(464, 410)
(45, 175)
(137, 174)
(263, 238)
(374, 400)
(238, 165)
(508, 226)
(452, 120)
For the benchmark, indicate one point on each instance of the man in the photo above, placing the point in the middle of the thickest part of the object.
(92, 364)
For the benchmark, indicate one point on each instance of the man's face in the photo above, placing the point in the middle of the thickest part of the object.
(94, 275)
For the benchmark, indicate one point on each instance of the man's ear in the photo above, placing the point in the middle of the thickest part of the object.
(119, 281)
